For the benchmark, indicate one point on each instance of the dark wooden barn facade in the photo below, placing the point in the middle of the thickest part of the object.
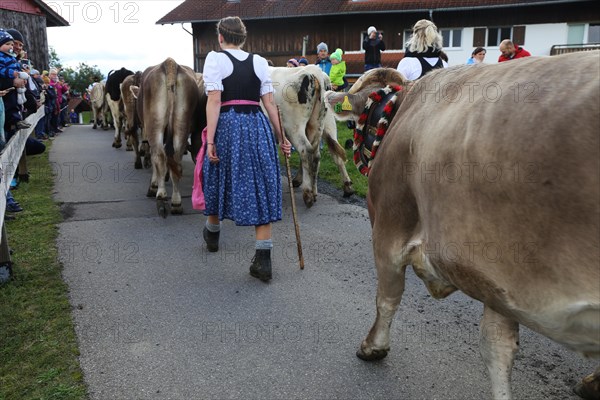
(31, 18)
(278, 29)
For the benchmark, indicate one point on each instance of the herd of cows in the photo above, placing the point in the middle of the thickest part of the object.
(165, 107)
(535, 120)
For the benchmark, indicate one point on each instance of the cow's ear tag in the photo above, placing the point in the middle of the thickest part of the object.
(337, 108)
(346, 106)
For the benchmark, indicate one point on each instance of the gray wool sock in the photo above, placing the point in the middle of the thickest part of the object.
(213, 227)
(264, 244)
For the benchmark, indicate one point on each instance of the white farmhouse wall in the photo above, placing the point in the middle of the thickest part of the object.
(539, 39)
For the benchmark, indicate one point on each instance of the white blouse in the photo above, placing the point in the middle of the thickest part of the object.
(410, 67)
(218, 66)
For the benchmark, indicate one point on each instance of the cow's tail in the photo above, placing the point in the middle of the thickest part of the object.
(334, 147)
(171, 70)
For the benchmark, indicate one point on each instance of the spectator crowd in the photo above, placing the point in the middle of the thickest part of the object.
(23, 90)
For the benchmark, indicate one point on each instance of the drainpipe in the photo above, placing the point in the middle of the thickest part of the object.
(431, 15)
(304, 44)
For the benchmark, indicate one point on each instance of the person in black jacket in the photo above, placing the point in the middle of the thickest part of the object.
(373, 46)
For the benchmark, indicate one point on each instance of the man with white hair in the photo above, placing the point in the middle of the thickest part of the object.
(373, 45)
(423, 51)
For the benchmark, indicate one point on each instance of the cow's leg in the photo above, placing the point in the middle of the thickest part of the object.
(159, 165)
(499, 342)
(128, 138)
(95, 116)
(176, 172)
(305, 151)
(589, 387)
(132, 135)
(338, 155)
(390, 287)
(145, 152)
(153, 184)
(297, 180)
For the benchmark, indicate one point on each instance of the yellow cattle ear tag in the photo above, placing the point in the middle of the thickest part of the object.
(346, 106)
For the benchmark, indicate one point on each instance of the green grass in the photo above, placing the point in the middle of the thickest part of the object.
(328, 171)
(38, 349)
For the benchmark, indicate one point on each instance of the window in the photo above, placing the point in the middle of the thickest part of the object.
(452, 37)
(594, 33)
(496, 35)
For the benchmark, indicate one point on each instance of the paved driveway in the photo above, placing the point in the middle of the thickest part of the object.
(157, 317)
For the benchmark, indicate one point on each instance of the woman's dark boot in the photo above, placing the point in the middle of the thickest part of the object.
(261, 265)
(211, 239)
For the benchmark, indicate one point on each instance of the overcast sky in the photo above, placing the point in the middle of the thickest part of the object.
(113, 34)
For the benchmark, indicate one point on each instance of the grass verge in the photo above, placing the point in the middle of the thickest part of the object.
(38, 348)
(328, 170)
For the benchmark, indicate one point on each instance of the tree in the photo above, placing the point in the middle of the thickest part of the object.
(54, 61)
(81, 77)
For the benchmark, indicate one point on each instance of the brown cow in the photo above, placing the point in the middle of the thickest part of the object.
(99, 106)
(115, 104)
(487, 182)
(168, 103)
(132, 121)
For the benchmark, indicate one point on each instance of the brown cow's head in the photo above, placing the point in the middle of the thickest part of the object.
(350, 105)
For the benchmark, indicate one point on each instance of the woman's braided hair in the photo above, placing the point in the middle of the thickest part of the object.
(233, 30)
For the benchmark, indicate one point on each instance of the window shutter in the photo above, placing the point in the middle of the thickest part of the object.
(518, 36)
(479, 37)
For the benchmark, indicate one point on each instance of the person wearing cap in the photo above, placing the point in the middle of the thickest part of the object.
(338, 71)
(323, 60)
(292, 63)
(303, 62)
(11, 75)
(19, 43)
(373, 45)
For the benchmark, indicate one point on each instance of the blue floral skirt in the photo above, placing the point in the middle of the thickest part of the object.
(245, 185)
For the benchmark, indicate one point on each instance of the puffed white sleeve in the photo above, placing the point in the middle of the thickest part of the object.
(261, 68)
(212, 73)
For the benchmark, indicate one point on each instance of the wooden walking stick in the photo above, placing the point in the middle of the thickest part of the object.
(289, 175)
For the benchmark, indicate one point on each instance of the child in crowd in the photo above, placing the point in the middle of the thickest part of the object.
(292, 63)
(10, 68)
(337, 71)
(303, 62)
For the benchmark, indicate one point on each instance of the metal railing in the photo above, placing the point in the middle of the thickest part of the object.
(572, 48)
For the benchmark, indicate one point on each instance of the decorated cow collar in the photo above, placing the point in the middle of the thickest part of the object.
(363, 139)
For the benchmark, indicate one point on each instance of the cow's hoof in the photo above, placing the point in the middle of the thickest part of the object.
(589, 387)
(94, 127)
(348, 189)
(162, 206)
(138, 164)
(176, 209)
(152, 191)
(129, 147)
(308, 198)
(371, 355)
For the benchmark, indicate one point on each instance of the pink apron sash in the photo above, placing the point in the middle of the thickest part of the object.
(240, 103)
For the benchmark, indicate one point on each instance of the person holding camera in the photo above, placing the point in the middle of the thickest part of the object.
(373, 46)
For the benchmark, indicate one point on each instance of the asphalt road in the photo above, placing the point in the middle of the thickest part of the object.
(157, 317)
